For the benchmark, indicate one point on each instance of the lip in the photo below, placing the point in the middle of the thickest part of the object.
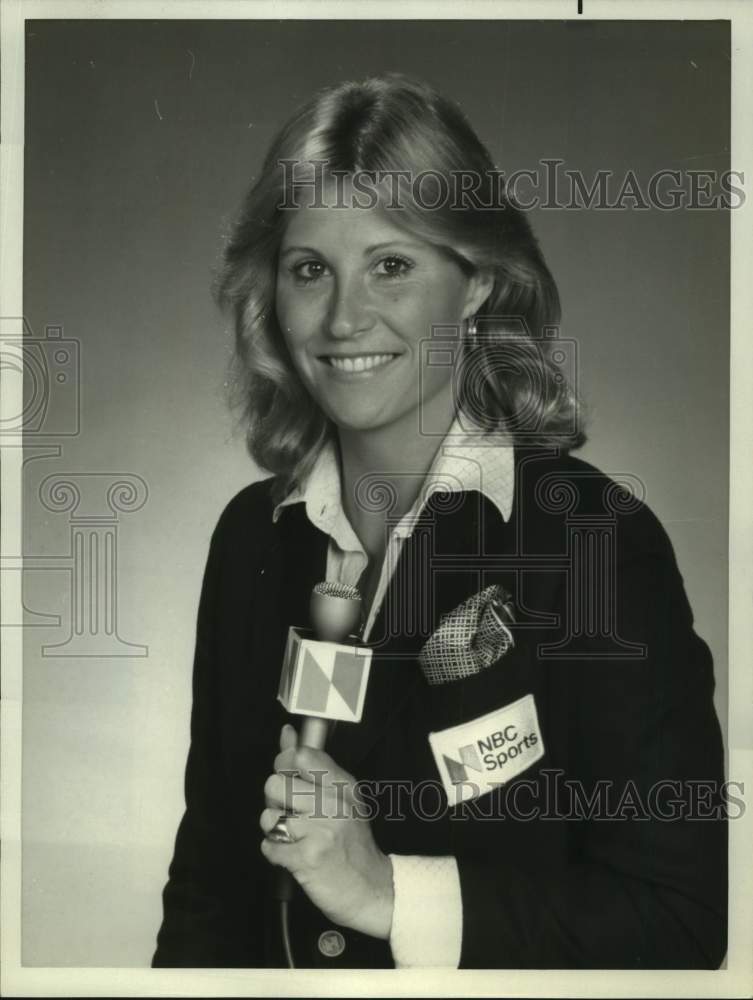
(362, 375)
(355, 354)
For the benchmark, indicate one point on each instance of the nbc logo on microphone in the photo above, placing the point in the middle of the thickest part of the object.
(325, 679)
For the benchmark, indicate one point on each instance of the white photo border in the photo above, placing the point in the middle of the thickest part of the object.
(737, 978)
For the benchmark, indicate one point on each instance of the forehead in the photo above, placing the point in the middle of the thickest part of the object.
(334, 212)
(349, 226)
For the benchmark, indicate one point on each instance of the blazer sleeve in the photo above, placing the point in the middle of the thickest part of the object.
(205, 919)
(648, 889)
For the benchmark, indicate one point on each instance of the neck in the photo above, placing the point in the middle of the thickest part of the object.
(396, 456)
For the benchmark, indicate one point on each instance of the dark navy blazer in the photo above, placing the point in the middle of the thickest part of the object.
(609, 852)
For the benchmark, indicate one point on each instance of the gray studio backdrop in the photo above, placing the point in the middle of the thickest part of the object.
(140, 140)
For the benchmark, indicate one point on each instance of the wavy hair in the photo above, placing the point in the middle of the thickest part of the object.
(510, 373)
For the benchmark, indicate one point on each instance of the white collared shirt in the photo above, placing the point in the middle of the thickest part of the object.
(427, 921)
(467, 459)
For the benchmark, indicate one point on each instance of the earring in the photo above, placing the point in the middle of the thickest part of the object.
(472, 329)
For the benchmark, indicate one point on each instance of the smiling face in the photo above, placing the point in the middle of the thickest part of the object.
(356, 296)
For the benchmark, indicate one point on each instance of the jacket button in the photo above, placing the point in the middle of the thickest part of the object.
(331, 944)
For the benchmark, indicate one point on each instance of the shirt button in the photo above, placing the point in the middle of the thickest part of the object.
(331, 944)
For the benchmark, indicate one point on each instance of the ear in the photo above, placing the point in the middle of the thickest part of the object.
(480, 286)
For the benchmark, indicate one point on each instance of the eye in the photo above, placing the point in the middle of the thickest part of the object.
(307, 271)
(394, 266)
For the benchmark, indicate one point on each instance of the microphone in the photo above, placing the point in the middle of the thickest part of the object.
(334, 611)
(324, 678)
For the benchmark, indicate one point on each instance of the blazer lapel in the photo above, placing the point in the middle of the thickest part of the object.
(439, 567)
(460, 545)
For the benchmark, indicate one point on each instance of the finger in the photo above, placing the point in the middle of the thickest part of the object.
(286, 791)
(284, 855)
(305, 854)
(269, 817)
(295, 827)
(285, 759)
(288, 738)
(312, 765)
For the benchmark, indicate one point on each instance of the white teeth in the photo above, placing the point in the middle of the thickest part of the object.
(362, 363)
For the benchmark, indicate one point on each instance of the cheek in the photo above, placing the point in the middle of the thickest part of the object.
(449, 301)
(293, 322)
(410, 313)
(435, 377)
(439, 303)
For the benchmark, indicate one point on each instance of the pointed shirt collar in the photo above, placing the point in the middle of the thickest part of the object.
(469, 458)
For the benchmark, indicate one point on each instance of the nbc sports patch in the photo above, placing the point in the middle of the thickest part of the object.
(478, 756)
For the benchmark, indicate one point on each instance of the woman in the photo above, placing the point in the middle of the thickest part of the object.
(394, 322)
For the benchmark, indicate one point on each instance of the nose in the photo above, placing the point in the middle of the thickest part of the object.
(350, 312)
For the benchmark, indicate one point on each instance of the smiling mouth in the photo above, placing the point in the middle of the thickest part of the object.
(358, 362)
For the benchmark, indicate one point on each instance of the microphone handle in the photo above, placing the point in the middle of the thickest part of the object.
(314, 735)
(314, 732)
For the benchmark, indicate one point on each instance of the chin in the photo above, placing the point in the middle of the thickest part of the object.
(357, 422)
(367, 416)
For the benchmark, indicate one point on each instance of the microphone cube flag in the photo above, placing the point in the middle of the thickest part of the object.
(324, 679)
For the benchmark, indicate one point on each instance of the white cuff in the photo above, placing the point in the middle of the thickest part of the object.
(427, 920)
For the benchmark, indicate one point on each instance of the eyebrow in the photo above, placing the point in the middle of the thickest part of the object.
(369, 250)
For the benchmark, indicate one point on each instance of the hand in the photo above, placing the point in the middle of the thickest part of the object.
(334, 858)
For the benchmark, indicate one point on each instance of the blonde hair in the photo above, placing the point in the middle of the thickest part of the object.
(391, 123)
